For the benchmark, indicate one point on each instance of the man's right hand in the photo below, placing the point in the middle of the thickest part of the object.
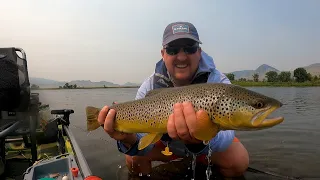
(106, 117)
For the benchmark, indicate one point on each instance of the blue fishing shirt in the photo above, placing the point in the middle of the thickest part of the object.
(159, 79)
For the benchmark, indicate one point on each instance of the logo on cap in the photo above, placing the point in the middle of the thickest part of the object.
(180, 28)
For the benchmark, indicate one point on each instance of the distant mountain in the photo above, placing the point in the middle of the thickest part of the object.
(43, 81)
(88, 83)
(130, 84)
(242, 74)
(313, 69)
(264, 68)
(49, 83)
(261, 70)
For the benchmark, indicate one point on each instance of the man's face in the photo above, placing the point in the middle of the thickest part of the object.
(181, 65)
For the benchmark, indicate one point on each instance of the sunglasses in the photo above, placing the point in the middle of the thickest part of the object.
(173, 50)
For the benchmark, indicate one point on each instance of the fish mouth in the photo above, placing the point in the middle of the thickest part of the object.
(261, 119)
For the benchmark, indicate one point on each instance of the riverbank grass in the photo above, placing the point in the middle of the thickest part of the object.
(276, 84)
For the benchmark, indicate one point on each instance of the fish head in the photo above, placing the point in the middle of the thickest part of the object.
(239, 108)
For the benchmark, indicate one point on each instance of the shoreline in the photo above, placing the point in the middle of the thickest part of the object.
(57, 88)
(240, 83)
(276, 84)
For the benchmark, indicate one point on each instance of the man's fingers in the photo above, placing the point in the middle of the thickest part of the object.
(102, 114)
(172, 128)
(108, 123)
(191, 120)
(190, 116)
(106, 117)
(180, 122)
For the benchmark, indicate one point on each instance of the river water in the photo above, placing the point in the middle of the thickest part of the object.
(292, 148)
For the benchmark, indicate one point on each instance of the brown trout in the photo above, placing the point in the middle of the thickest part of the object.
(228, 107)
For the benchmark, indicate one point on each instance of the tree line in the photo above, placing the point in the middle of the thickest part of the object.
(65, 86)
(68, 86)
(299, 75)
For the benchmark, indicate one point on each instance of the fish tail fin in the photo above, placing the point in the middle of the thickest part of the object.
(92, 118)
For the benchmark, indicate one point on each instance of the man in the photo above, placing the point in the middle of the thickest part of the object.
(183, 62)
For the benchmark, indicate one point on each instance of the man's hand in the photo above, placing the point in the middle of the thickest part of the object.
(181, 124)
(106, 117)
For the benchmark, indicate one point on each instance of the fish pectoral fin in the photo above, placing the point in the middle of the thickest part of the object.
(92, 114)
(205, 129)
(149, 139)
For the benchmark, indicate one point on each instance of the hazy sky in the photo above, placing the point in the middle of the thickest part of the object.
(120, 41)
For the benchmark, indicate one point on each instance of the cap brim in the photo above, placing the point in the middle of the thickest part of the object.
(182, 36)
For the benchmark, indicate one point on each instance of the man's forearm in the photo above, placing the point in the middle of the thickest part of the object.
(130, 141)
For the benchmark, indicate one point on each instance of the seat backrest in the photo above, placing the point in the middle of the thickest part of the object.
(14, 80)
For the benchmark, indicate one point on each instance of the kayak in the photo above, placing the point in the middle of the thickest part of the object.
(36, 142)
(57, 155)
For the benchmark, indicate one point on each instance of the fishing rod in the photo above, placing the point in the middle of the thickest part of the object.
(272, 174)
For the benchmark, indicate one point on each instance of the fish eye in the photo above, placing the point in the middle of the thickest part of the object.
(258, 105)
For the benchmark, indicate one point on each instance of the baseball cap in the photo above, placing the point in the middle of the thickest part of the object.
(178, 30)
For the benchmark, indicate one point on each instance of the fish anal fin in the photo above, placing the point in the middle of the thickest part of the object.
(149, 139)
(205, 129)
(157, 138)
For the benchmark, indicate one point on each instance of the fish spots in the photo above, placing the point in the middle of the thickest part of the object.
(221, 101)
(153, 123)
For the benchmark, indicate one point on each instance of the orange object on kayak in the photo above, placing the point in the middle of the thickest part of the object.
(92, 178)
(75, 172)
